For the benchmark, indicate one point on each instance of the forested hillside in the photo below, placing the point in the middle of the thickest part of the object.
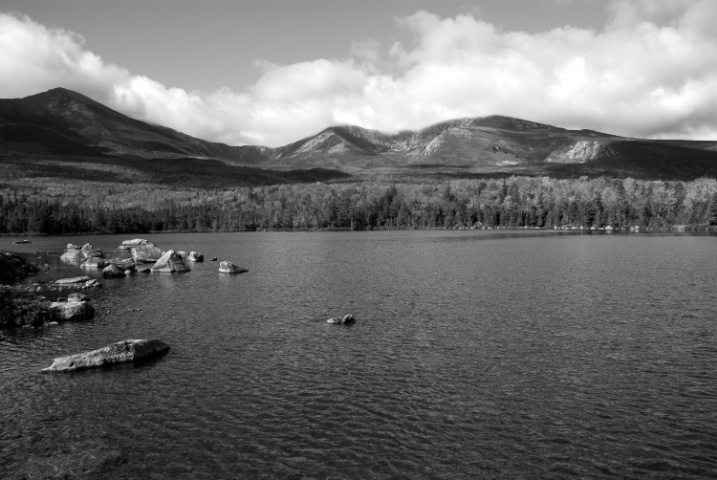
(43, 207)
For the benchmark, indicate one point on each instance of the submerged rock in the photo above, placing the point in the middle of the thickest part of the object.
(195, 257)
(132, 350)
(213, 259)
(345, 320)
(170, 263)
(229, 267)
(71, 310)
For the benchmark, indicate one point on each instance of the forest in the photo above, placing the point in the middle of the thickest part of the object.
(37, 206)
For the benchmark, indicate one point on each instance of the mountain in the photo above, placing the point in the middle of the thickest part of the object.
(500, 144)
(63, 121)
(63, 126)
(63, 134)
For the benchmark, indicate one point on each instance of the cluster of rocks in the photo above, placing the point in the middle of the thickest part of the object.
(37, 312)
(85, 256)
(170, 261)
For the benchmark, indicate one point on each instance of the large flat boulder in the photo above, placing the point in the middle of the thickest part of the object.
(71, 280)
(132, 350)
(71, 310)
(170, 263)
(136, 242)
(149, 253)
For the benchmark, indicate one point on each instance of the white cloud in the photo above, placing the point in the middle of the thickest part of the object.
(650, 72)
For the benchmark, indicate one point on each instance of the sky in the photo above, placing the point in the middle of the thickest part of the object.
(269, 72)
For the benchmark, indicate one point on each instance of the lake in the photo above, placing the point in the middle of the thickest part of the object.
(485, 354)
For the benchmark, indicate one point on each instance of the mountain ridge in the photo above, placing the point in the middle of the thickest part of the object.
(61, 123)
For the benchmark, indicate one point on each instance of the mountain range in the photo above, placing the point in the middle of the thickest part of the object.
(61, 133)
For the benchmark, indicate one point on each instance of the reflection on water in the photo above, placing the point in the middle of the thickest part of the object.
(475, 355)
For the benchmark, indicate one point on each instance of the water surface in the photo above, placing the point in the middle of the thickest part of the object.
(475, 355)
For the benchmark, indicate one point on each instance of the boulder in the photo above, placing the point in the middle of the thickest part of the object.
(113, 271)
(146, 253)
(14, 267)
(127, 265)
(182, 254)
(77, 297)
(93, 262)
(229, 267)
(65, 311)
(144, 270)
(136, 242)
(345, 320)
(170, 263)
(71, 256)
(92, 283)
(71, 280)
(195, 257)
(72, 247)
(88, 251)
(121, 352)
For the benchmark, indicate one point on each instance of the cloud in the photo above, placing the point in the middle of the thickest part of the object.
(651, 71)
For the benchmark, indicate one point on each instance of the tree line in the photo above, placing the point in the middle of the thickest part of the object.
(512, 202)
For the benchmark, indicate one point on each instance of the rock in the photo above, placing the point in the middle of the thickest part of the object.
(213, 259)
(88, 251)
(113, 271)
(92, 283)
(14, 267)
(146, 253)
(144, 270)
(77, 297)
(136, 242)
(22, 241)
(229, 267)
(71, 280)
(170, 263)
(72, 256)
(72, 247)
(93, 262)
(65, 311)
(345, 320)
(120, 352)
(127, 265)
(195, 257)
(181, 253)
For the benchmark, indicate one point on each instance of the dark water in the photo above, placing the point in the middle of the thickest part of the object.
(475, 355)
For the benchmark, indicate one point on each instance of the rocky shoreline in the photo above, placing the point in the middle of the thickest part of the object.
(44, 303)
